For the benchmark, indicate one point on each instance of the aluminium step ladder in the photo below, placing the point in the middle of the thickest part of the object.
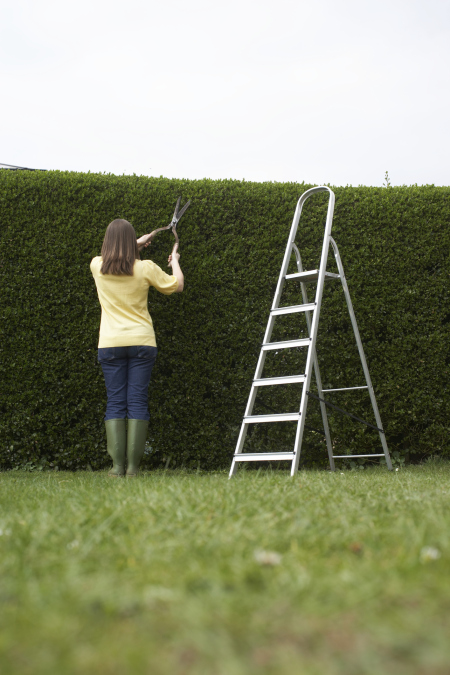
(312, 313)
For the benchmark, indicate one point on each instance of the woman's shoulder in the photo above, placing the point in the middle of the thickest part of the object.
(145, 265)
(96, 262)
(148, 269)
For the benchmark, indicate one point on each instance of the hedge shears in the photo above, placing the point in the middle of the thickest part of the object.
(177, 215)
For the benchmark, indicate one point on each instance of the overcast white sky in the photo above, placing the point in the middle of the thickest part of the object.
(322, 91)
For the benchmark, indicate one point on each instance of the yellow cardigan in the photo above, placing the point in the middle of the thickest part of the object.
(126, 321)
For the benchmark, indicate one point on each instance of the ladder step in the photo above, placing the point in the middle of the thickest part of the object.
(261, 456)
(312, 275)
(287, 379)
(286, 344)
(310, 307)
(350, 456)
(278, 417)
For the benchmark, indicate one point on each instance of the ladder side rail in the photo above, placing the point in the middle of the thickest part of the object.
(248, 411)
(239, 447)
(361, 353)
(276, 300)
(268, 333)
(314, 328)
(251, 400)
(323, 407)
(259, 367)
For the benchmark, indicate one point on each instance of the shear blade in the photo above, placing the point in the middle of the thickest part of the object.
(184, 209)
(175, 213)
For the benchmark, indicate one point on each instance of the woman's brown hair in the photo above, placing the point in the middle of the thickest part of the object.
(120, 249)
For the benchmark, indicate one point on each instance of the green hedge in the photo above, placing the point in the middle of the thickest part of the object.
(395, 245)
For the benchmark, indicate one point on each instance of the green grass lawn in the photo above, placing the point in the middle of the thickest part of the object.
(184, 573)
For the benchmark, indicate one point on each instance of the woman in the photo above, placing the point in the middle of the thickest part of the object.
(127, 346)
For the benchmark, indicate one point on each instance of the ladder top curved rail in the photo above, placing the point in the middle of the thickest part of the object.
(311, 191)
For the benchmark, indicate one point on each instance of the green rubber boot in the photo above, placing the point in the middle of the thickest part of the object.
(137, 435)
(116, 437)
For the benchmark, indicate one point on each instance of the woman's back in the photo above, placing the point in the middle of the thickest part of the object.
(125, 317)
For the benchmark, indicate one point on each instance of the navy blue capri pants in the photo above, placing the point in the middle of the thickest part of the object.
(127, 372)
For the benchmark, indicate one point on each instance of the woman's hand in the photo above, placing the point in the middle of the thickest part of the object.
(144, 241)
(174, 256)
